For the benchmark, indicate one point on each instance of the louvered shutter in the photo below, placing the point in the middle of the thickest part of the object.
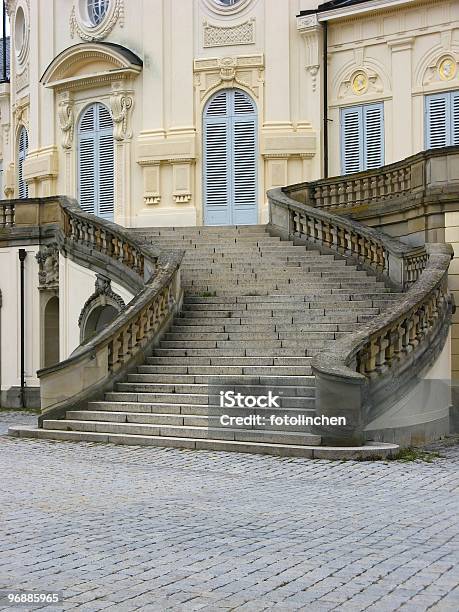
(23, 188)
(244, 182)
(106, 191)
(455, 117)
(351, 139)
(86, 161)
(230, 159)
(216, 166)
(437, 120)
(373, 136)
(96, 162)
(362, 137)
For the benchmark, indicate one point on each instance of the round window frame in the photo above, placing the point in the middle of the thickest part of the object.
(84, 26)
(216, 7)
(22, 50)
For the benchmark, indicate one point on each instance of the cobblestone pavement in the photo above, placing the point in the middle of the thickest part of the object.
(132, 528)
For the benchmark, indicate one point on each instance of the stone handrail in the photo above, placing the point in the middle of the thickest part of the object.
(410, 179)
(151, 274)
(347, 378)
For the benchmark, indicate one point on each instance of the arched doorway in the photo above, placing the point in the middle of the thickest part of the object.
(97, 320)
(230, 159)
(23, 145)
(96, 183)
(51, 335)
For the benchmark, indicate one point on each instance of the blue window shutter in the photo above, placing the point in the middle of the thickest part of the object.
(373, 136)
(106, 179)
(455, 117)
(96, 162)
(351, 139)
(437, 125)
(230, 159)
(23, 188)
(244, 183)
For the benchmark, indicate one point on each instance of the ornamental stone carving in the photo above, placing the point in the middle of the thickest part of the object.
(102, 296)
(230, 71)
(66, 119)
(86, 31)
(120, 106)
(221, 36)
(48, 267)
(445, 68)
(359, 82)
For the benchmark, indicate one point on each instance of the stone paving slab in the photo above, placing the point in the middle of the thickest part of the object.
(142, 528)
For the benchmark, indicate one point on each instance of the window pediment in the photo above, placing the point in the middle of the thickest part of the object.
(87, 64)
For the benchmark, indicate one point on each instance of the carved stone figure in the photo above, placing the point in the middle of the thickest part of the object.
(48, 261)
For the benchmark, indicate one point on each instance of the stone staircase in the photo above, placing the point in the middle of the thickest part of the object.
(256, 309)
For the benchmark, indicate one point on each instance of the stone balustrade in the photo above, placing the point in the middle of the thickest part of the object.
(7, 210)
(414, 178)
(152, 275)
(364, 370)
(94, 367)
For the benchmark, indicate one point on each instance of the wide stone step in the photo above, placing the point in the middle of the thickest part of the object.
(200, 410)
(185, 431)
(233, 352)
(369, 451)
(202, 400)
(194, 420)
(247, 386)
(230, 361)
(203, 379)
(225, 370)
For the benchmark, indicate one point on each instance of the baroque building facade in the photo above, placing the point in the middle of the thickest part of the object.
(172, 112)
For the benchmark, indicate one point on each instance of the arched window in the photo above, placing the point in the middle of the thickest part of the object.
(96, 185)
(23, 145)
(230, 159)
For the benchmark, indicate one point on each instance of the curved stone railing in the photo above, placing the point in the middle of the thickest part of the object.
(152, 275)
(421, 176)
(354, 380)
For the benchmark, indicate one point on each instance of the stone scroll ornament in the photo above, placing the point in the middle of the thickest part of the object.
(48, 262)
(120, 105)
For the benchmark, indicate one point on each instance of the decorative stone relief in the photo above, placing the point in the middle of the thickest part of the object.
(102, 296)
(120, 105)
(221, 36)
(66, 119)
(48, 270)
(447, 69)
(21, 112)
(313, 71)
(309, 28)
(80, 25)
(181, 180)
(359, 82)
(244, 70)
(444, 69)
(151, 185)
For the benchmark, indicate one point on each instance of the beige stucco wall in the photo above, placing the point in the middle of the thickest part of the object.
(10, 330)
(399, 49)
(184, 46)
